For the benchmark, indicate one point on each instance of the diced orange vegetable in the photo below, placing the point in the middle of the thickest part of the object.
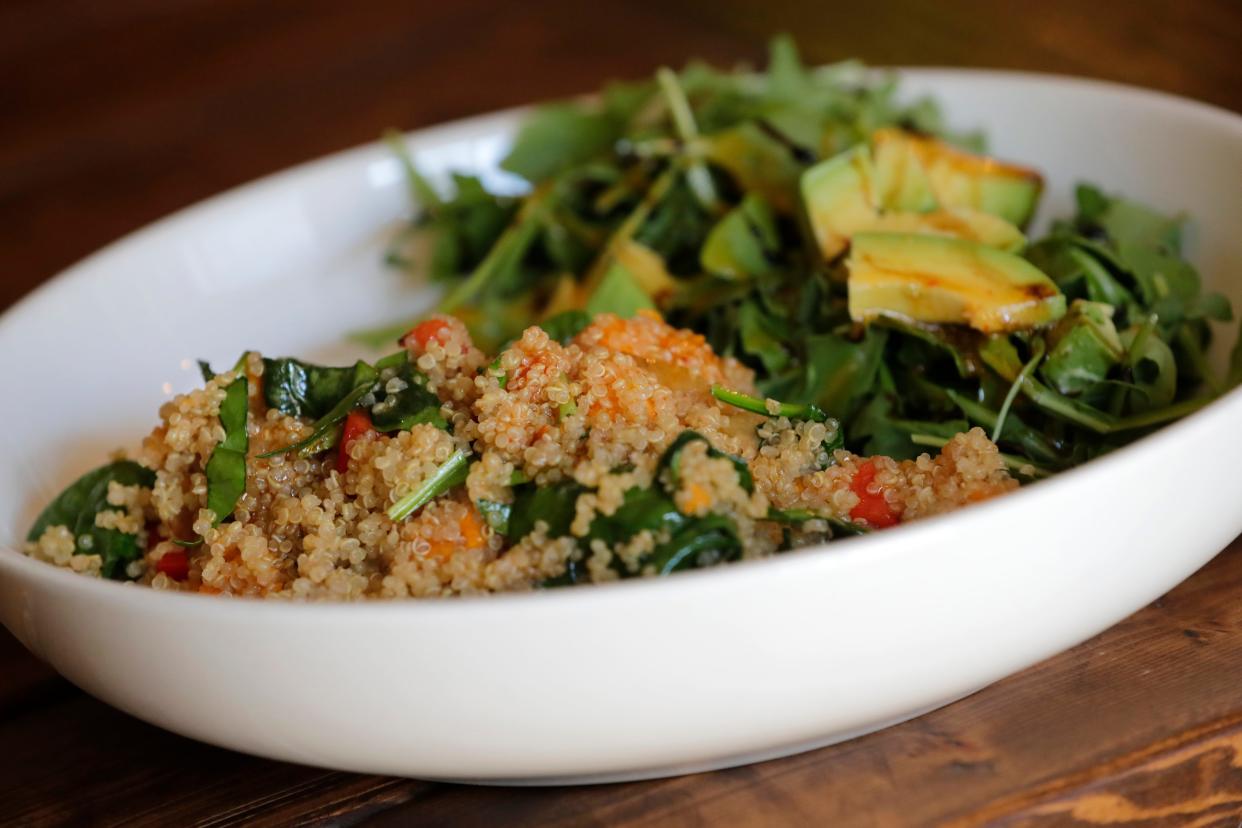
(872, 507)
(357, 424)
(471, 529)
(175, 563)
(425, 331)
(699, 498)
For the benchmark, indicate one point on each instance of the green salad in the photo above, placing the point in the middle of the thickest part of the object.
(847, 247)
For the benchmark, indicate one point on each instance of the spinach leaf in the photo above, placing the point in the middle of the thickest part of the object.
(395, 391)
(326, 431)
(671, 460)
(226, 468)
(404, 401)
(554, 505)
(302, 389)
(644, 508)
(796, 517)
(700, 542)
(76, 507)
(495, 515)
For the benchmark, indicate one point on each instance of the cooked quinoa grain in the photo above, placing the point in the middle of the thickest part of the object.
(585, 428)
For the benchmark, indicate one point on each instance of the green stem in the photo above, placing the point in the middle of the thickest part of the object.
(697, 175)
(746, 402)
(1054, 403)
(506, 252)
(633, 222)
(1117, 399)
(1037, 354)
(1161, 415)
(452, 472)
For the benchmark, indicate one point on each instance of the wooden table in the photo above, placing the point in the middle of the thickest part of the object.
(113, 114)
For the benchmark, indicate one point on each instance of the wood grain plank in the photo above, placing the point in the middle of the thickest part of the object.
(1188, 47)
(1191, 779)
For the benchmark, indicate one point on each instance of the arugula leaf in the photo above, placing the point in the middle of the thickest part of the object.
(676, 227)
(839, 372)
(760, 335)
(226, 468)
(75, 508)
(500, 274)
(560, 136)
(1153, 369)
(619, 293)
(742, 243)
(1084, 348)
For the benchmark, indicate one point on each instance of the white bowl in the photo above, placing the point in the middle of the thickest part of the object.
(647, 678)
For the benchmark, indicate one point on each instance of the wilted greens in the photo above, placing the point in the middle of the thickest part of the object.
(76, 507)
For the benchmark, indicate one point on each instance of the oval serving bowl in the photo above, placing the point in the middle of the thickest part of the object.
(644, 678)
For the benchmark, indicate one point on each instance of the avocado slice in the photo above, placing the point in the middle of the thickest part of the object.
(958, 222)
(901, 183)
(837, 195)
(960, 179)
(938, 279)
(914, 184)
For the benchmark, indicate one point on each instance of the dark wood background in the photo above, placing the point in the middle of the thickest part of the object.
(113, 114)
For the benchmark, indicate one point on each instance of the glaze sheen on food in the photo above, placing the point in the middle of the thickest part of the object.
(601, 458)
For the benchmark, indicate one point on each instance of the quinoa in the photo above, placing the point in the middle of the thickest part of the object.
(593, 417)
